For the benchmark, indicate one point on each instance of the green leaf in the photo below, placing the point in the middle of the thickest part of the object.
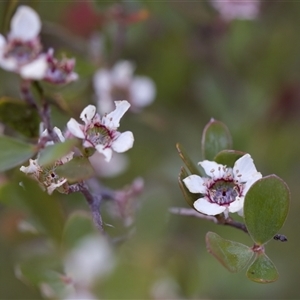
(43, 208)
(262, 270)
(228, 157)
(14, 152)
(78, 226)
(52, 153)
(19, 116)
(79, 168)
(232, 255)
(188, 196)
(215, 138)
(186, 159)
(266, 207)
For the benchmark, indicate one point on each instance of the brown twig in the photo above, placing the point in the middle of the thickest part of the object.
(93, 202)
(216, 219)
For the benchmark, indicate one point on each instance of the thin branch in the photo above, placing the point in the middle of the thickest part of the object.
(43, 111)
(220, 219)
(192, 213)
(217, 220)
(93, 202)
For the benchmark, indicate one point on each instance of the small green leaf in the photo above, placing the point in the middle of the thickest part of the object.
(19, 116)
(232, 255)
(52, 153)
(78, 226)
(77, 169)
(228, 157)
(14, 152)
(186, 159)
(43, 208)
(188, 196)
(262, 270)
(215, 138)
(266, 207)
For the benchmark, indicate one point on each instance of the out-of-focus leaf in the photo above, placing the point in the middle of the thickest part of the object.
(14, 152)
(188, 196)
(232, 255)
(266, 207)
(186, 159)
(39, 268)
(77, 169)
(44, 208)
(54, 152)
(78, 226)
(262, 270)
(215, 138)
(19, 116)
(228, 157)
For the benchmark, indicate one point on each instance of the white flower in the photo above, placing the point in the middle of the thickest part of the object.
(21, 51)
(225, 188)
(46, 176)
(120, 83)
(92, 257)
(101, 133)
(234, 9)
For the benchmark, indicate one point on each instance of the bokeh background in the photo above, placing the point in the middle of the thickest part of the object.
(245, 73)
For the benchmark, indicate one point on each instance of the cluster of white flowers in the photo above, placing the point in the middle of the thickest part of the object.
(21, 51)
(224, 189)
(98, 133)
(237, 9)
(46, 176)
(119, 83)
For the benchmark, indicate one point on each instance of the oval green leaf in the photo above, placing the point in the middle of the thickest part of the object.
(42, 207)
(77, 169)
(186, 159)
(228, 157)
(16, 114)
(52, 153)
(78, 226)
(233, 256)
(262, 270)
(188, 196)
(14, 152)
(215, 138)
(266, 207)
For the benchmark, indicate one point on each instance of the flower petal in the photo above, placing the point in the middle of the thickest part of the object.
(236, 205)
(53, 185)
(33, 168)
(122, 73)
(142, 91)
(205, 207)
(124, 142)
(36, 69)
(195, 184)
(250, 182)
(88, 114)
(112, 120)
(213, 169)
(102, 81)
(59, 134)
(116, 166)
(75, 128)
(107, 152)
(25, 24)
(244, 168)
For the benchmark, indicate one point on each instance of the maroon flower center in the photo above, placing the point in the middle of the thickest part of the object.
(99, 135)
(223, 192)
(22, 52)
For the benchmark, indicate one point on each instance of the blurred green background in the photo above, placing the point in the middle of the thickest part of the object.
(245, 73)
